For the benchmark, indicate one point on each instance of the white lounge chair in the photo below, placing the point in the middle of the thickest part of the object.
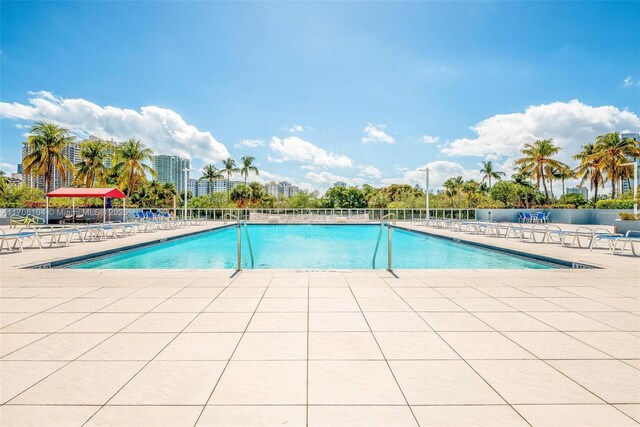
(570, 237)
(613, 240)
(19, 238)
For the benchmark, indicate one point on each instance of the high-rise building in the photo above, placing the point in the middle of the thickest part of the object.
(340, 184)
(172, 169)
(71, 152)
(579, 190)
(281, 189)
(627, 184)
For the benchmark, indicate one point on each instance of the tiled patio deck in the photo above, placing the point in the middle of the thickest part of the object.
(352, 348)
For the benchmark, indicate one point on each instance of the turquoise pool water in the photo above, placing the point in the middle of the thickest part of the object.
(312, 247)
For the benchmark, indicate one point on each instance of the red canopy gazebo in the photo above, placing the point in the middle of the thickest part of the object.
(104, 193)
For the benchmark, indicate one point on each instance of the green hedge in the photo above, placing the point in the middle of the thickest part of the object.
(615, 204)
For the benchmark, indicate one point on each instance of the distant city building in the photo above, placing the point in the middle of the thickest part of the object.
(627, 184)
(340, 184)
(16, 178)
(71, 152)
(202, 188)
(219, 185)
(19, 168)
(281, 189)
(579, 190)
(192, 185)
(172, 169)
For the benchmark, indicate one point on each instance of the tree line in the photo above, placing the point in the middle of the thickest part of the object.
(600, 162)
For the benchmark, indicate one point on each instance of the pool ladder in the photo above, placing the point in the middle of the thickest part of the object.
(243, 224)
(389, 242)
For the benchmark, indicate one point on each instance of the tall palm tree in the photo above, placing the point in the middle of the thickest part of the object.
(488, 172)
(590, 168)
(537, 160)
(229, 167)
(613, 151)
(247, 167)
(130, 166)
(211, 173)
(91, 169)
(45, 144)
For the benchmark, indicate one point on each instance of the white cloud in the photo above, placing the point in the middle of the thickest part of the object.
(369, 171)
(375, 134)
(9, 168)
(628, 81)
(162, 129)
(296, 128)
(297, 149)
(324, 180)
(428, 139)
(570, 124)
(439, 172)
(266, 176)
(249, 143)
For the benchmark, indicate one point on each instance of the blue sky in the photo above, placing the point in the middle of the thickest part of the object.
(361, 91)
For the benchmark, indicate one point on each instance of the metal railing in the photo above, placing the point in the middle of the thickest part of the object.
(327, 215)
(389, 245)
(240, 225)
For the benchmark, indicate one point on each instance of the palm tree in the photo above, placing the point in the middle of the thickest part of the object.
(211, 173)
(155, 192)
(562, 174)
(130, 166)
(488, 172)
(589, 168)
(45, 144)
(610, 151)
(247, 167)
(537, 160)
(453, 185)
(91, 169)
(229, 167)
(168, 191)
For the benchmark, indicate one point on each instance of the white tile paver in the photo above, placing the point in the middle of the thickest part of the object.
(343, 348)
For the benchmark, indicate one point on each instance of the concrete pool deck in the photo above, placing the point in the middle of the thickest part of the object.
(320, 348)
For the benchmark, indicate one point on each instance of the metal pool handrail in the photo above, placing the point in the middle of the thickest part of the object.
(389, 215)
(389, 245)
(246, 230)
(229, 215)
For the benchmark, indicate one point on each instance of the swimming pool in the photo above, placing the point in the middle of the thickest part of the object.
(312, 247)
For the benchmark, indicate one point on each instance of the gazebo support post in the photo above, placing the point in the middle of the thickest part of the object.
(46, 212)
(73, 207)
(104, 209)
(124, 210)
